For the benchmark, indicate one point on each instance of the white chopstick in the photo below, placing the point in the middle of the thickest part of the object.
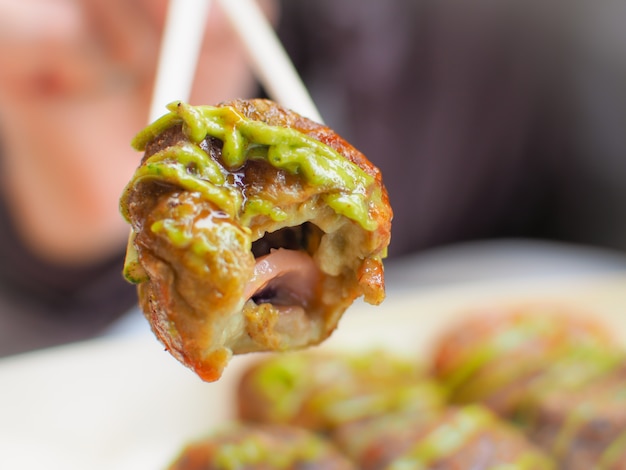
(180, 47)
(181, 42)
(268, 58)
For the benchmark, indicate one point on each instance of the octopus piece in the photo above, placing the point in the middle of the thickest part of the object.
(253, 229)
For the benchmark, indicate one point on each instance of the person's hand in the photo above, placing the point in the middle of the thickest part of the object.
(75, 86)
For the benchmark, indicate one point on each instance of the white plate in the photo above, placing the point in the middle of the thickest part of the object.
(124, 403)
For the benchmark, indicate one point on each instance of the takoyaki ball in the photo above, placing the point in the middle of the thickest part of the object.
(261, 447)
(492, 356)
(470, 437)
(582, 426)
(253, 229)
(321, 390)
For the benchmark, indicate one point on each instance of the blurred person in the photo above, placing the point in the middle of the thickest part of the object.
(488, 119)
(75, 85)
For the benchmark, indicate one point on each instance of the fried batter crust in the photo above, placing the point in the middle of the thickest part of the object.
(193, 295)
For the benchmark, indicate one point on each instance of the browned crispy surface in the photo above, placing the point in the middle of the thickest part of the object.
(321, 391)
(259, 447)
(457, 438)
(490, 356)
(198, 298)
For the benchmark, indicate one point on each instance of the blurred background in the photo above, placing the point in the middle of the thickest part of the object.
(498, 127)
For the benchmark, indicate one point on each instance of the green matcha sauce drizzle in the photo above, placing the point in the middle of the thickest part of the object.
(347, 188)
(343, 186)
